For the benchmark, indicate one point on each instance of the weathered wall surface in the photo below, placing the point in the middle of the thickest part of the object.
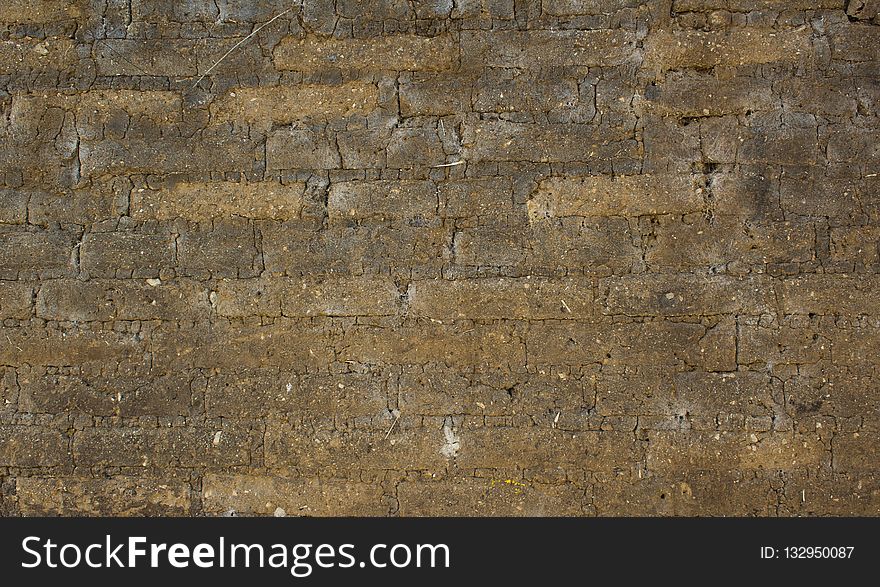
(564, 257)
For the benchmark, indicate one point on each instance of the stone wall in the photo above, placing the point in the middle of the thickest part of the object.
(471, 257)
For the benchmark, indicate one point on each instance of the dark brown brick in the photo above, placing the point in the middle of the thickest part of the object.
(329, 451)
(684, 295)
(102, 395)
(547, 48)
(382, 200)
(107, 300)
(224, 445)
(510, 448)
(632, 344)
(350, 249)
(682, 94)
(697, 493)
(48, 254)
(32, 446)
(262, 393)
(830, 294)
(111, 254)
(284, 343)
(16, 300)
(855, 452)
(222, 249)
(695, 243)
(500, 140)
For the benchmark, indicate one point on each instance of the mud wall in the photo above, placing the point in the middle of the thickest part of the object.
(509, 257)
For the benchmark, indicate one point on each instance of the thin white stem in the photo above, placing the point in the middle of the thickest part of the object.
(449, 164)
(240, 43)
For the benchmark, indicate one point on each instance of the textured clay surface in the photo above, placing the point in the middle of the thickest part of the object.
(442, 257)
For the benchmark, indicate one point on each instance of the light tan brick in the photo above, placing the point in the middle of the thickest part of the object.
(265, 106)
(488, 497)
(523, 447)
(743, 46)
(602, 195)
(478, 346)
(117, 496)
(734, 451)
(392, 52)
(831, 294)
(261, 495)
(46, 346)
(213, 200)
(526, 298)
(39, 11)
